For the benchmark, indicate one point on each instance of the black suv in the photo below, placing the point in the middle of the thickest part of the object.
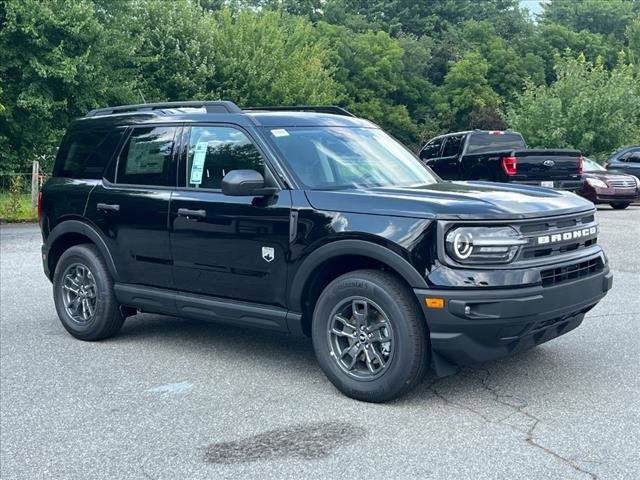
(308, 220)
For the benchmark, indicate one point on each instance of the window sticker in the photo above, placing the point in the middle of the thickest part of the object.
(279, 132)
(197, 166)
(144, 157)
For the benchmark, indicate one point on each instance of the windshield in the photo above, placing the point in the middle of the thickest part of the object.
(591, 166)
(347, 157)
(486, 142)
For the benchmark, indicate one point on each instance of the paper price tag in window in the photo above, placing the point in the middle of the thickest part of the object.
(197, 166)
(279, 132)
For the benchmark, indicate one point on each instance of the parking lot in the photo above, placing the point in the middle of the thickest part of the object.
(170, 398)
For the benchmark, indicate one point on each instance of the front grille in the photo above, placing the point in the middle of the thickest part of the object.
(537, 232)
(555, 276)
(622, 183)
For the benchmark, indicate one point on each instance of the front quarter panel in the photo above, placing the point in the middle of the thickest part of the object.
(406, 239)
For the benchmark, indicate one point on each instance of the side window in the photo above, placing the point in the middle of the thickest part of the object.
(431, 149)
(146, 158)
(624, 157)
(214, 151)
(85, 153)
(452, 146)
(633, 156)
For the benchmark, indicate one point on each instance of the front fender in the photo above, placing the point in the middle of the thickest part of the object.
(350, 247)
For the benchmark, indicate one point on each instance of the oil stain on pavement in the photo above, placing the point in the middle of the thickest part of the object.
(308, 441)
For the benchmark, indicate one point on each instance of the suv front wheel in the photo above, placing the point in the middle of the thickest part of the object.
(369, 336)
(83, 294)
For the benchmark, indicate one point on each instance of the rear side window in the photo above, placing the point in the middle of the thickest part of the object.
(431, 149)
(631, 157)
(85, 153)
(214, 151)
(452, 146)
(485, 142)
(146, 159)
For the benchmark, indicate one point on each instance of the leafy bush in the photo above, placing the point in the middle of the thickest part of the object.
(588, 107)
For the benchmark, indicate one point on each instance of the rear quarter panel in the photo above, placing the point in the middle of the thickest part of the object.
(63, 199)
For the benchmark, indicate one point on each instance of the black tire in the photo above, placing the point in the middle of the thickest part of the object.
(620, 205)
(410, 347)
(107, 318)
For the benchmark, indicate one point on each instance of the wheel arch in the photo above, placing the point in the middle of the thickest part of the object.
(337, 258)
(74, 232)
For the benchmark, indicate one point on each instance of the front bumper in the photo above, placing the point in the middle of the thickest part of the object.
(615, 196)
(479, 325)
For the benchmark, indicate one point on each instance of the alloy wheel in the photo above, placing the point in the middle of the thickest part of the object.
(361, 338)
(79, 293)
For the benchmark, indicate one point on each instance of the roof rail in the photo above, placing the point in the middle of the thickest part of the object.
(218, 106)
(305, 108)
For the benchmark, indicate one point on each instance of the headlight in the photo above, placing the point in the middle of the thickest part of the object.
(637, 182)
(594, 182)
(483, 244)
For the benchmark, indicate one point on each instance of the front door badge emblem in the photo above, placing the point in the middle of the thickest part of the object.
(268, 254)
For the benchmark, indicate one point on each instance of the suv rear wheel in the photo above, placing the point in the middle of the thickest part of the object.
(83, 294)
(369, 336)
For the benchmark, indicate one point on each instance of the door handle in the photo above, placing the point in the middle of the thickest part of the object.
(108, 207)
(185, 212)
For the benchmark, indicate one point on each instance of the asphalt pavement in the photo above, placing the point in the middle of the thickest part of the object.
(177, 399)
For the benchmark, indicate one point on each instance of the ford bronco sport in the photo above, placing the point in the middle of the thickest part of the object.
(308, 220)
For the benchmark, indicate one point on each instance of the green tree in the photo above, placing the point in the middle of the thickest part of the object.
(466, 94)
(551, 40)
(632, 34)
(370, 69)
(50, 65)
(588, 107)
(267, 59)
(157, 50)
(609, 17)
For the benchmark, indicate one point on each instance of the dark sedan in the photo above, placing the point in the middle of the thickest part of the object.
(602, 186)
(626, 160)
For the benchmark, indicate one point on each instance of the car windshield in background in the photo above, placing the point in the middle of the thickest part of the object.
(484, 142)
(591, 166)
(346, 157)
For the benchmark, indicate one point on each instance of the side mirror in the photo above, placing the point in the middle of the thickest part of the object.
(245, 183)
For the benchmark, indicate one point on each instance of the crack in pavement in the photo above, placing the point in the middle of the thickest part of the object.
(517, 406)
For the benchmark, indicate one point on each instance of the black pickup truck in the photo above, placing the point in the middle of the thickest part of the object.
(501, 156)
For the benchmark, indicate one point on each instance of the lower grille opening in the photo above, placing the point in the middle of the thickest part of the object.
(554, 276)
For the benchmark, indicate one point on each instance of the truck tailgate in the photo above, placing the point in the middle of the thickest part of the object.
(548, 165)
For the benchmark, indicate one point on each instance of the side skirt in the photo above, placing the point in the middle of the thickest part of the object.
(201, 307)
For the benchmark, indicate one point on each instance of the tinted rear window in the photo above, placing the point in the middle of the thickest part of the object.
(483, 142)
(85, 153)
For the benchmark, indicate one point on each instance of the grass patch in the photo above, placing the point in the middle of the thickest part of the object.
(24, 212)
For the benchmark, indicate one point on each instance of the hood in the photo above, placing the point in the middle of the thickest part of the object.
(452, 200)
(604, 176)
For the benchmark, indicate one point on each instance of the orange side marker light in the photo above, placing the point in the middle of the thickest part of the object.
(434, 302)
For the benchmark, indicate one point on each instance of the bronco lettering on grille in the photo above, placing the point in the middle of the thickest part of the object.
(566, 236)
